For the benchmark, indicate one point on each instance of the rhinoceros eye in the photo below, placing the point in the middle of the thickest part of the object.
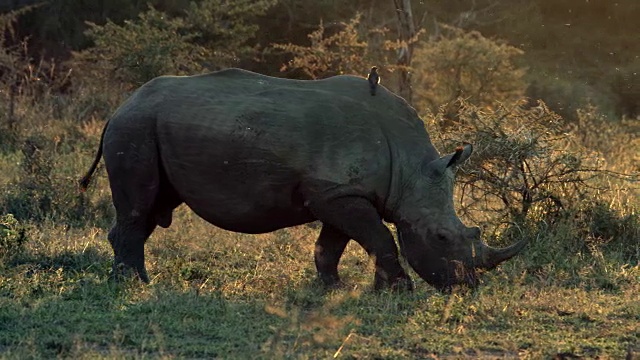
(442, 236)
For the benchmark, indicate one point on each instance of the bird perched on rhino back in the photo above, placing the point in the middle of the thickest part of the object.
(374, 80)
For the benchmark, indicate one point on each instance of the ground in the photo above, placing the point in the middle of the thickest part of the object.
(216, 294)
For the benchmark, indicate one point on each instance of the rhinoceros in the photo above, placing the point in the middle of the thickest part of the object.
(252, 154)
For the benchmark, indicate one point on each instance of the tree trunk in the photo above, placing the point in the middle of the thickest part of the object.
(406, 35)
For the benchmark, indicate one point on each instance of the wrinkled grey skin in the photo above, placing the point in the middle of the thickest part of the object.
(253, 154)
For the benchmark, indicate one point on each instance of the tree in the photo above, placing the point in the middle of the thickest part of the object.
(140, 50)
(407, 36)
(210, 34)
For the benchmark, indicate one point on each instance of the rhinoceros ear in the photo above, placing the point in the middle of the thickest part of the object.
(461, 155)
(438, 166)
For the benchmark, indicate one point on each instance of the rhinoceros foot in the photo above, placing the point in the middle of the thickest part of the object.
(120, 272)
(399, 283)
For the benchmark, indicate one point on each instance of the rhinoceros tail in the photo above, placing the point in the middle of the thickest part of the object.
(86, 179)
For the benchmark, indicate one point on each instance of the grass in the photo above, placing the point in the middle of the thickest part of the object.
(216, 294)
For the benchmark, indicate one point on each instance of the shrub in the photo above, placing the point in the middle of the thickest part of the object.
(606, 225)
(625, 86)
(140, 50)
(468, 65)
(565, 96)
(596, 131)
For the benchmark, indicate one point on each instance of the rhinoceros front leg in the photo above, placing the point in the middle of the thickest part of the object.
(329, 249)
(359, 220)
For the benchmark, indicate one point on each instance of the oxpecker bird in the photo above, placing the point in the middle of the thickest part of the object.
(374, 80)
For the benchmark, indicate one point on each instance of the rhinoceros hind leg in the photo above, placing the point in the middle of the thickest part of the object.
(329, 248)
(134, 178)
(359, 220)
(127, 238)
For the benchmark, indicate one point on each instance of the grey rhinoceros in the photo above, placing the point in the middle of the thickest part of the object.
(251, 153)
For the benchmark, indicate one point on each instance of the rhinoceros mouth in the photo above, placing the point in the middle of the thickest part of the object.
(453, 272)
(459, 273)
(448, 271)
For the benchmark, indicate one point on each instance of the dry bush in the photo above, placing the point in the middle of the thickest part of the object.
(521, 162)
(531, 175)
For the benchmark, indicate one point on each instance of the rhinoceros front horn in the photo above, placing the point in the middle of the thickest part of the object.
(492, 257)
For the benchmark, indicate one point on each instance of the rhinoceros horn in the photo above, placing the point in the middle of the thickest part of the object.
(491, 257)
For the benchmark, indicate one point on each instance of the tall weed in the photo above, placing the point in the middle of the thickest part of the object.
(45, 187)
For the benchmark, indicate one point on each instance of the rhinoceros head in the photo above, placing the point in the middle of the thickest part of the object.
(437, 245)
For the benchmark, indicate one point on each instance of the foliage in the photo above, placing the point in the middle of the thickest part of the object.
(468, 65)
(12, 235)
(555, 36)
(341, 53)
(211, 34)
(64, 30)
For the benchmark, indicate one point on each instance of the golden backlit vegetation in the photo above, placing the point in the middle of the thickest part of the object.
(556, 161)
